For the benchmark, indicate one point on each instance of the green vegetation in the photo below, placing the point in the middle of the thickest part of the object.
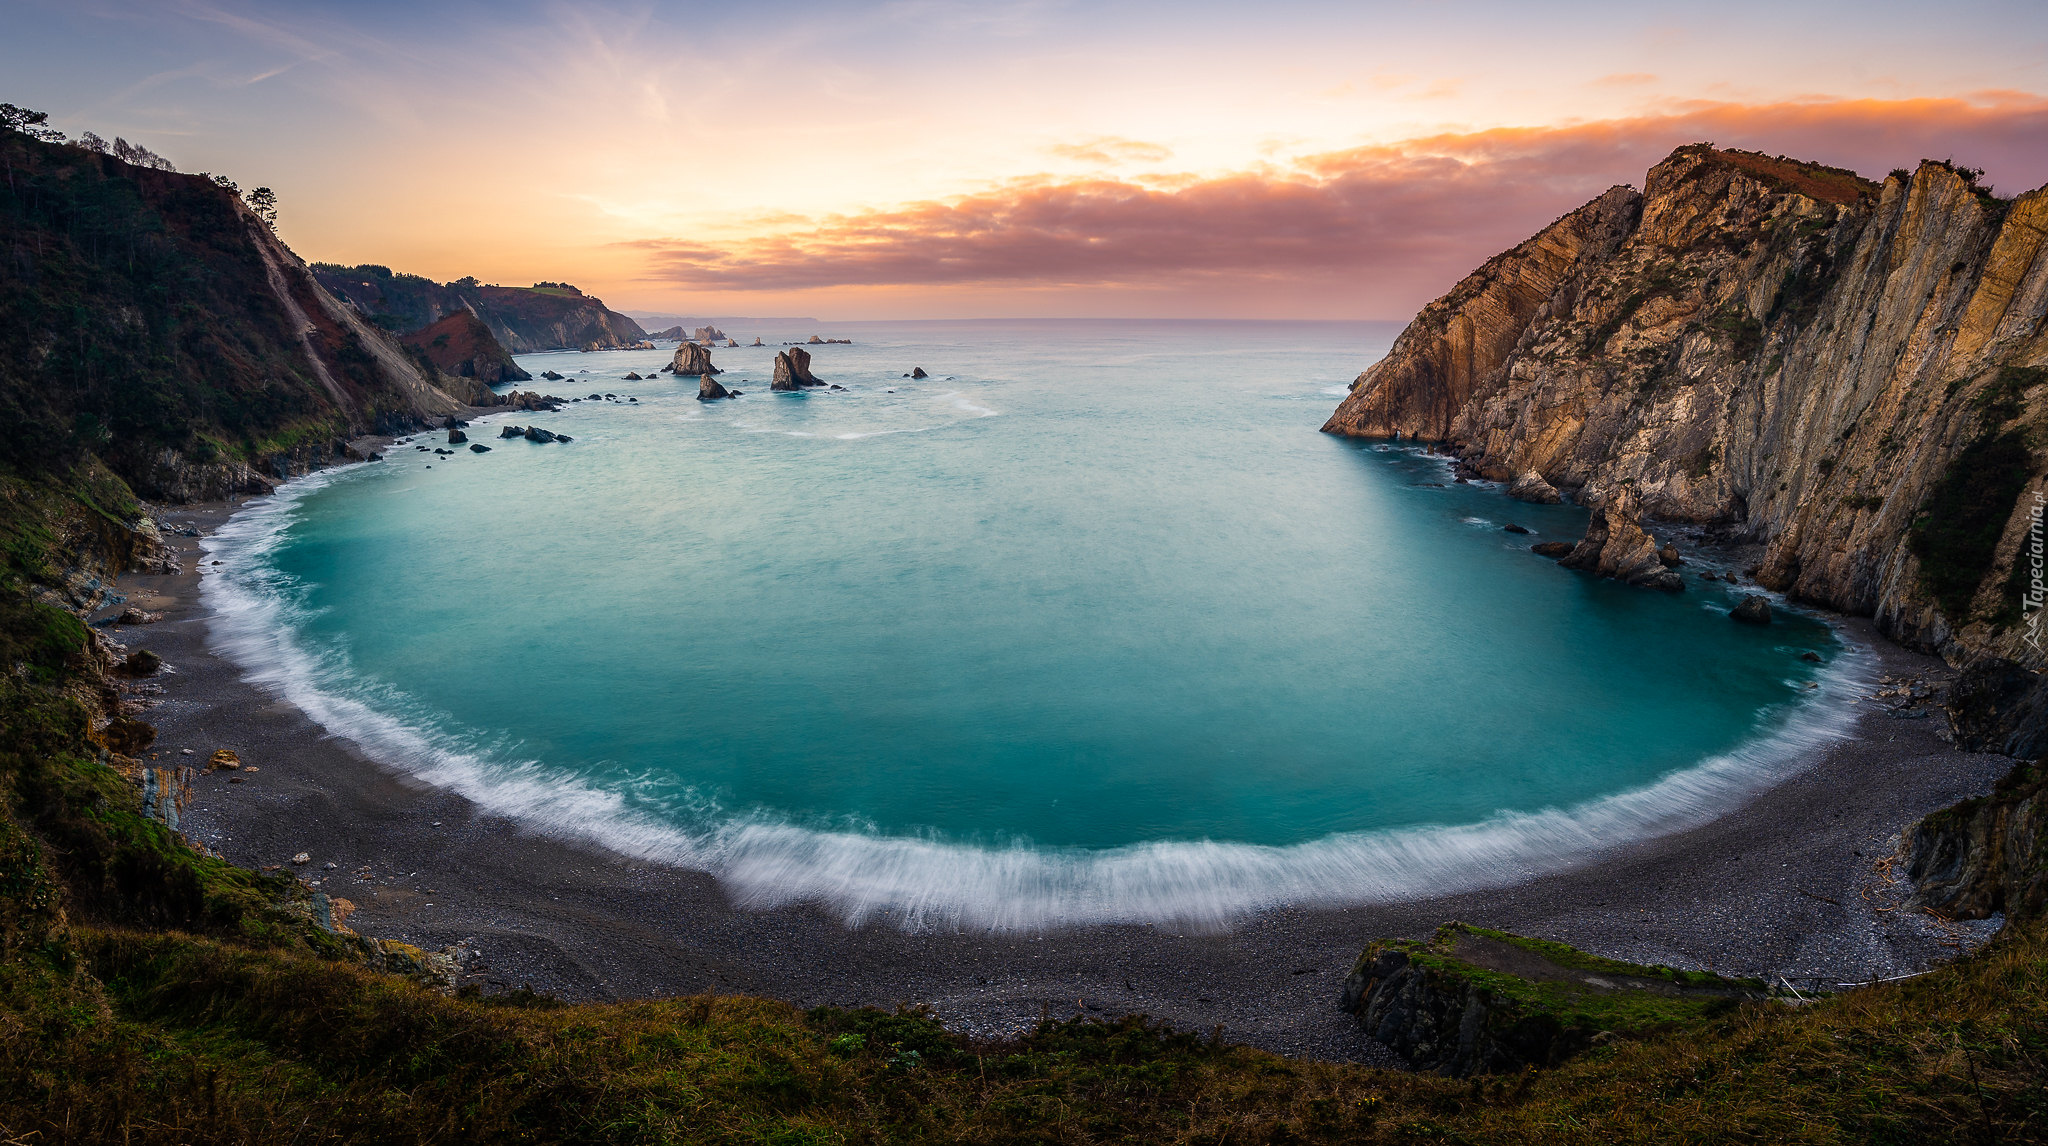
(1956, 535)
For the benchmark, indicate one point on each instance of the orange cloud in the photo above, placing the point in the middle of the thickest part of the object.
(1376, 230)
(1110, 149)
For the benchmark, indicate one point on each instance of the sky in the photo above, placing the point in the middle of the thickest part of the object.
(1035, 158)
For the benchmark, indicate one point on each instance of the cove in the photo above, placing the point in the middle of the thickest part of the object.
(1089, 624)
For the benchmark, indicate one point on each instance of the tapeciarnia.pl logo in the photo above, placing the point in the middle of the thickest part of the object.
(2037, 592)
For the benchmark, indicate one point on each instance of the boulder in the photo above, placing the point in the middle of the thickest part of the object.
(127, 736)
(1511, 527)
(457, 437)
(1755, 609)
(1532, 488)
(710, 391)
(479, 448)
(1616, 546)
(1552, 548)
(918, 372)
(536, 434)
(793, 370)
(694, 360)
(142, 662)
(511, 431)
(1668, 557)
(134, 616)
(632, 377)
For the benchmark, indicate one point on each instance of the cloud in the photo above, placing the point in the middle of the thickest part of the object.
(1108, 150)
(1384, 227)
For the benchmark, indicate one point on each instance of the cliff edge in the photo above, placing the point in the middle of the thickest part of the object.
(1846, 372)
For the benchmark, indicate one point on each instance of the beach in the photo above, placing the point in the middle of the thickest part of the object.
(1794, 882)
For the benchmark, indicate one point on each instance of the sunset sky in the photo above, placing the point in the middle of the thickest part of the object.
(924, 158)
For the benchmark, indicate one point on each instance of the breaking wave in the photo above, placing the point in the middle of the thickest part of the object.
(931, 883)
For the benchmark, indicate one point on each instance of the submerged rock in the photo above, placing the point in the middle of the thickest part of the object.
(1552, 548)
(1531, 487)
(1511, 527)
(1755, 609)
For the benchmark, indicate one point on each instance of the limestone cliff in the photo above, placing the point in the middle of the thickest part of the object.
(1845, 372)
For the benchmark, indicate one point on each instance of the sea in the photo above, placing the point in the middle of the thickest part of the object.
(1090, 625)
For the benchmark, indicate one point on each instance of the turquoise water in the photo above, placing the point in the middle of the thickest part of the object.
(1090, 624)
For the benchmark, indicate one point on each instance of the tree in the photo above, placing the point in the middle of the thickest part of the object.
(224, 182)
(34, 124)
(263, 202)
(92, 142)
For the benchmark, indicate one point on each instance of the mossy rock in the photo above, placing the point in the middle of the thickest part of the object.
(1474, 1001)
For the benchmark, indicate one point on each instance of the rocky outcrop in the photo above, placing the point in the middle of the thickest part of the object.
(1472, 1001)
(1616, 546)
(710, 391)
(460, 345)
(693, 359)
(918, 372)
(1986, 855)
(1807, 360)
(545, 316)
(1754, 609)
(793, 370)
(1531, 487)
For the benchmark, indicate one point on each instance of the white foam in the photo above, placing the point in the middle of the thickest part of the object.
(919, 883)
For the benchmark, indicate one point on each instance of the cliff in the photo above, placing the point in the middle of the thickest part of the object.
(1847, 373)
(545, 316)
(149, 319)
(461, 345)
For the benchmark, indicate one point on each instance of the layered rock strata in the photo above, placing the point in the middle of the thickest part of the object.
(1846, 372)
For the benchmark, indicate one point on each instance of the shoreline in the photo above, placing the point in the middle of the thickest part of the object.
(1784, 883)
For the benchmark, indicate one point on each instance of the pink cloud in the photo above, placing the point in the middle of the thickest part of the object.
(1367, 231)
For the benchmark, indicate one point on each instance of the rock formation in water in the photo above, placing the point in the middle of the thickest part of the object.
(918, 372)
(1531, 487)
(1848, 373)
(1616, 546)
(793, 370)
(710, 391)
(693, 359)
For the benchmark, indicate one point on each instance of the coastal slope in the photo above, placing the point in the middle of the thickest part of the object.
(156, 324)
(545, 316)
(1845, 372)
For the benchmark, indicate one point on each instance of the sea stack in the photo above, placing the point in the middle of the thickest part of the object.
(693, 359)
(918, 372)
(1616, 546)
(793, 370)
(710, 391)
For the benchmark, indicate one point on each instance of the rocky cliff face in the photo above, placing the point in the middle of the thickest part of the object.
(1846, 372)
(461, 345)
(550, 316)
